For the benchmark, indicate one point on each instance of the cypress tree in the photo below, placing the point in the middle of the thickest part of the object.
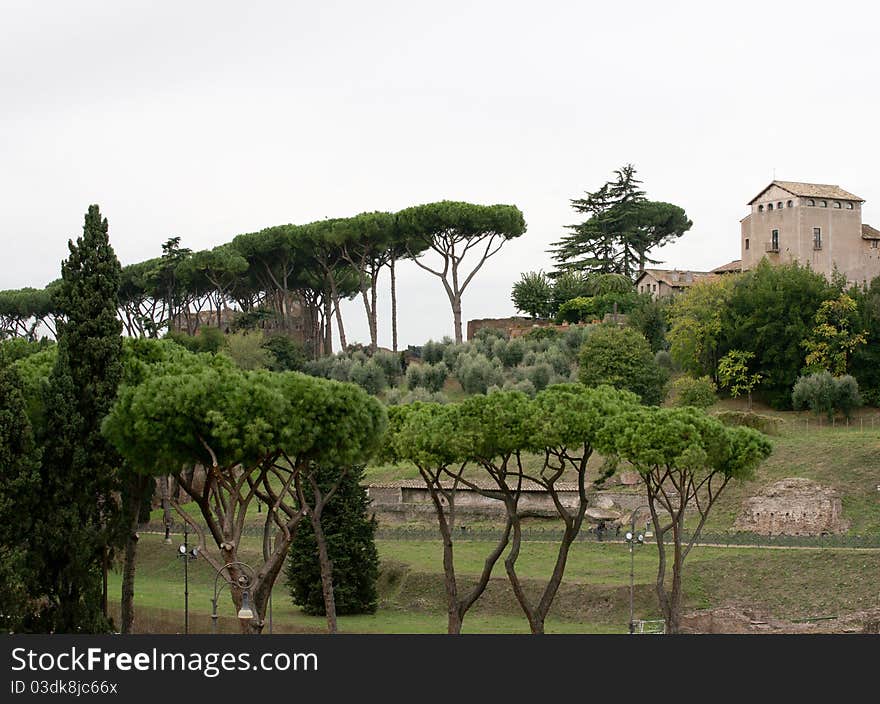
(19, 470)
(77, 526)
(350, 533)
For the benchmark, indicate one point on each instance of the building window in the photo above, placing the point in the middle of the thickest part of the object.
(874, 244)
(760, 208)
(817, 238)
(849, 206)
(769, 206)
(837, 204)
(774, 241)
(747, 242)
(779, 205)
(810, 201)
(823, 203)
(790, 203)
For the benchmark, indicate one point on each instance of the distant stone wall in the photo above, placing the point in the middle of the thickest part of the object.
(504, 324)
(793, 506)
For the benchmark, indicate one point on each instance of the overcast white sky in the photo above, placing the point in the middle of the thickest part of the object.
(208, 119)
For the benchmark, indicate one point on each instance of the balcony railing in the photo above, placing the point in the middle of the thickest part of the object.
(772, 246)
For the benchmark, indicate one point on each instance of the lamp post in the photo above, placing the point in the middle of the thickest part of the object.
(184, 553)
(633, 539)
(244, 582)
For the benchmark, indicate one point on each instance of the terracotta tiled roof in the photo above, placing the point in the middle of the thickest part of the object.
(482, 484)
(870, 233)
(734, 266)
(676, 278)
(811, 190)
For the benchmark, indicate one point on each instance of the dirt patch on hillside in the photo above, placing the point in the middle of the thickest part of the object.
(733, 619)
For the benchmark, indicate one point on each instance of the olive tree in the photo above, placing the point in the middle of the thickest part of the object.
(685, 459)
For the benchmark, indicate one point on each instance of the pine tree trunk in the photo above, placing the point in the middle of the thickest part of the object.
(328, 326)
(456, 318)
(393, 307)
(326, 572)
(134, 498)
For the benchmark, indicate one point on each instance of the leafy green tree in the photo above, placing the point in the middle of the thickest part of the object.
(648, 316)
(734, 374)
(834, 339)
(622, 228)
(568, 285)
(533, 294)
(561, 425)
(451, 230)
(79, 472)
(770, 312)
(699, 393)
(865, 361)
(258, 433)
(350, 532)
(685, 460)
(697, 321)
(620, 357)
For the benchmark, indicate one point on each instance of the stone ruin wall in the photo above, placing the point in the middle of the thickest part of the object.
(793, 506)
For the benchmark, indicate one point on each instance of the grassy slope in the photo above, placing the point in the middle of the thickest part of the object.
(593, 598)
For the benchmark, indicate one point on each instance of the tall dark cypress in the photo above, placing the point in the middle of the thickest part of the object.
(350, 533)
(19, 472)
(77, 528)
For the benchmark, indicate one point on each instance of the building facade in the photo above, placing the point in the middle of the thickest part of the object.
(666, 282)
(816, 224)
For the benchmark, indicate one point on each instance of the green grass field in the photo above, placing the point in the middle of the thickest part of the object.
(594, 597)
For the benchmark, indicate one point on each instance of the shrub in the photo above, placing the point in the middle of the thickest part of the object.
(541, 333)
(415, 376)
(539, 375)
(848, 397)
(390, 364)
(663, 359)
(694, 392)
(434, 376)
(825, 394)
(510, 352)
(476, 373)
(247, 350)
(370, 376)
(769, 425)
(432, 352)
(289, 355)
(524, 385)
(398, 397)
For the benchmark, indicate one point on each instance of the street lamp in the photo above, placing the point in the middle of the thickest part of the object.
(244, 582)
(184, 553)
(633, 539)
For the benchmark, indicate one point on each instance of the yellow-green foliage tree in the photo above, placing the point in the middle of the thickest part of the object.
(834, 339)
(696, 325)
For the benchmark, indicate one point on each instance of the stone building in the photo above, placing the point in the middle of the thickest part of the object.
(812, 223)
(665, 282)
